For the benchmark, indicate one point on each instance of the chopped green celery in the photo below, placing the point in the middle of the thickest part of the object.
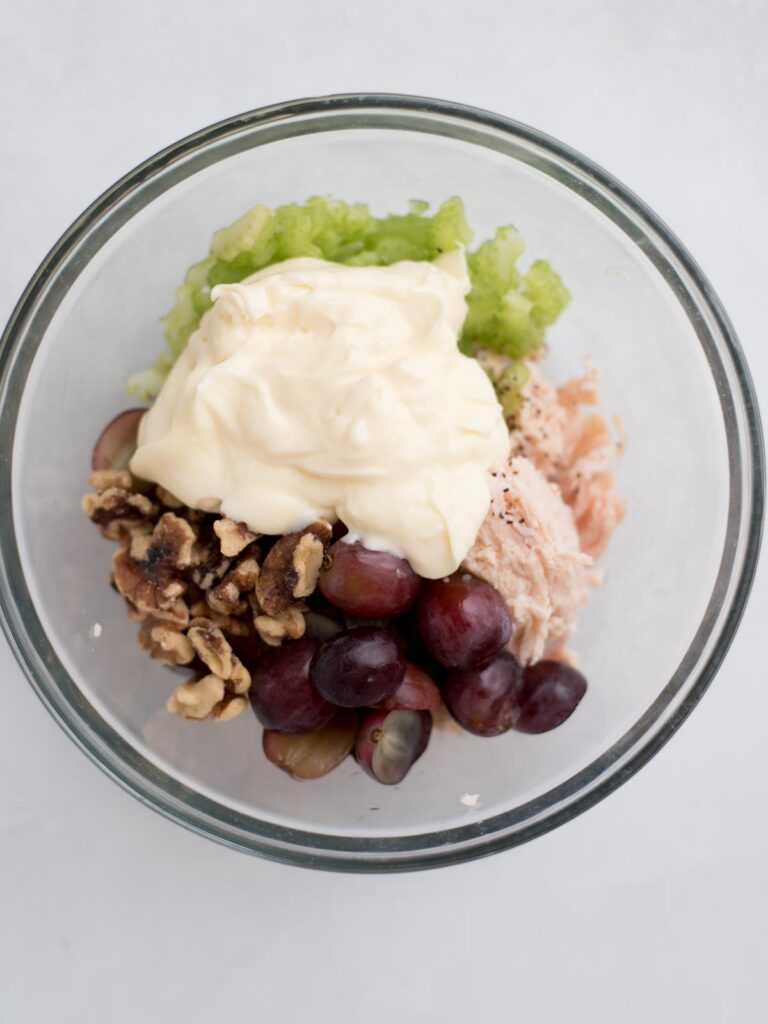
(507, 312)
(147, 383)
(509, 387)
(546, 292)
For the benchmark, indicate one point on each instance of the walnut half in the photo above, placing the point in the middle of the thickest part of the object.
(196, 699)
(153, 581)
(166, 643)
(215, 651)
(117, 511)
(289, 624)
(233, 537)
(291, 568)
(209, 697)
(230, 596)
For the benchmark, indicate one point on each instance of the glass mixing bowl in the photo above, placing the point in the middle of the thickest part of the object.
(676, 575)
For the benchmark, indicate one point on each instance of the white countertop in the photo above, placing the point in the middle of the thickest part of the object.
(652, 906)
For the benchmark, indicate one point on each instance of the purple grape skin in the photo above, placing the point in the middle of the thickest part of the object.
(486, 700)
(550, 693)
(282, 694)
(417, 692)
(368, 584)
(462, 621)
(359, 667)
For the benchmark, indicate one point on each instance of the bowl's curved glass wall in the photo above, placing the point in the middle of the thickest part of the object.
(636, 312)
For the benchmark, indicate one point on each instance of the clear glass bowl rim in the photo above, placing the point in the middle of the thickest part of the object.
(154, 788)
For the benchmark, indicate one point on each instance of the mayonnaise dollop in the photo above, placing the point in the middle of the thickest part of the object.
(313, 390)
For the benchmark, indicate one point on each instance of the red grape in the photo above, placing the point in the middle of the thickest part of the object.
(417, 692)
(312, 754)
(319, 626)
(282, 694)
(368, 584)
(359, 667)
(389, 742)
(117, 441)
(462, 621)
(486, 701)
(551, 692)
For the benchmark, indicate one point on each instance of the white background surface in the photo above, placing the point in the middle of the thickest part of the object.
(653, 906)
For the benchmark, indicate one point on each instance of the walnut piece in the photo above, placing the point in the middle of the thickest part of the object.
(239, 678)
(173, 540)
(209, 567)
(117, 510)
(211, 646)
(196, 699)
(307, 561)
(177, 614)
(134, 614)
(215, 651)
(166, 643)
(229, 708)
(291, 568)
(152, 582)
(233, 537)
(232, 624)
(287, 624)
(139, 540)
(151, 588)
(103, 479)
(228, 597)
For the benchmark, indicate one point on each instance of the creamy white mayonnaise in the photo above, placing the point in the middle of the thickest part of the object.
(313, 390)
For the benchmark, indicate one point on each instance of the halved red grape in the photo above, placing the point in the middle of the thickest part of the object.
(486, 700)
(312, 754)
(359, 667)
(117, 441)
(282, 694)
(368, 584)
(550, 693)
(320, 627)
(417, 692)
(389, 742)
(463, 621)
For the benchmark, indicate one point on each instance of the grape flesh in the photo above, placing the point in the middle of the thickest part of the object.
(368, 584)
(283, 695)
(462, 621)
(486, 700)
(312, 755)
(117, 441)
(359, 667)
(550, 693)
(388, 743)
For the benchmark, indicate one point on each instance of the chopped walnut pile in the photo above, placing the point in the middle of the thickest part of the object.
(200, 590)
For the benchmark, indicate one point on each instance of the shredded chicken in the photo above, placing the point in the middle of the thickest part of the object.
(528, 549)
(574, 449)
(553, 510)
